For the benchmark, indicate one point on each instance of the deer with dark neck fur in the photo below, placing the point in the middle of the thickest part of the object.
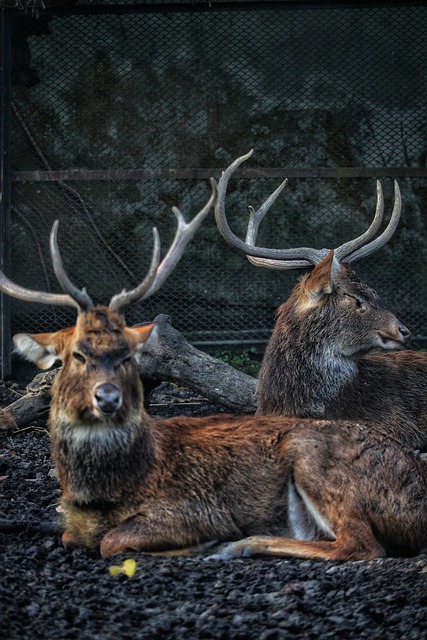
(341, 490)
(330, 354)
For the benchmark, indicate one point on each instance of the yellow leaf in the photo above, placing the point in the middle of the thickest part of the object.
(128, 568)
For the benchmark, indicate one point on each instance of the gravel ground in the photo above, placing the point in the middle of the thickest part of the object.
(46, 592)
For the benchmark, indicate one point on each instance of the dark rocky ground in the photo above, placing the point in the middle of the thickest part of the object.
(47, 592)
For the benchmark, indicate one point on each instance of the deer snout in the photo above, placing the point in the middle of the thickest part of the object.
(404, 332)
(395, 336)
(107, 398)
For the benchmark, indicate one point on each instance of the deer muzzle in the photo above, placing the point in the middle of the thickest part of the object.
(107, 398)
(395, 337)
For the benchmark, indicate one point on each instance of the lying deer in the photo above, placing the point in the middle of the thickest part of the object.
(326, 357)
(344, 490)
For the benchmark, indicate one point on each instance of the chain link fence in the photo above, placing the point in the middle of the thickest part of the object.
(121, 110)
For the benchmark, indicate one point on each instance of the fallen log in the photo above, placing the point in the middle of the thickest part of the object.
(168, 357)
(31, 406)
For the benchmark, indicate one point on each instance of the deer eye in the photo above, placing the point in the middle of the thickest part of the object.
(122, 362)
(359, 302)
(79, 357)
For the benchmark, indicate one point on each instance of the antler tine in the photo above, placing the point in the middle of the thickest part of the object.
(352, 246)
(220, 216)
(80, 296)
(185, 232)
(121, 301)
(292, 258)
(255, 218)
(382, 239)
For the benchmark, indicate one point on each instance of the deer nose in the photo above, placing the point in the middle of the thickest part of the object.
(108, 398)
(404, 332)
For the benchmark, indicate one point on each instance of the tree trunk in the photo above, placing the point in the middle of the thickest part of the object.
(167, 357)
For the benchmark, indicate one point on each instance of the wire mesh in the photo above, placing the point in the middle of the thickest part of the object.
(183, 90)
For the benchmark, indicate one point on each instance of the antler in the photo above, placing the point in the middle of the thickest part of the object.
(72, 297)
(364, 250)
(301, 257)
(158, 273)
(29, 295)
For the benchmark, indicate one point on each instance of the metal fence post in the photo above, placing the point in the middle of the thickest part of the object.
(5, 346)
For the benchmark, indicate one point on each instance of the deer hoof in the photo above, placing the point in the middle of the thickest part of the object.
(68, 540)
(229, 551)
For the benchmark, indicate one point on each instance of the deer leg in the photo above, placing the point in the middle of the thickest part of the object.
(287, 547)
(159, 536)
(120, 540)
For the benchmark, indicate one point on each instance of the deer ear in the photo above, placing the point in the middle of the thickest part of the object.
(320, 282)
(138, 336)
(41, 348)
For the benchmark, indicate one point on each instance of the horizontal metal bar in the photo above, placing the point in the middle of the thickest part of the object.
(194, 6)
(226, 343)
(259, 341)
(244, 342)
(202, 174)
